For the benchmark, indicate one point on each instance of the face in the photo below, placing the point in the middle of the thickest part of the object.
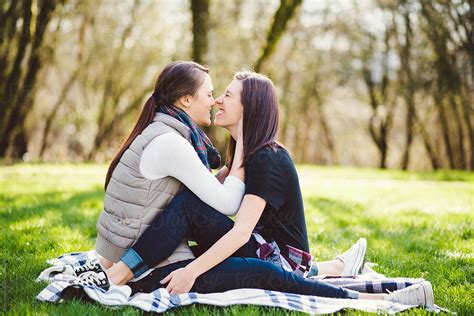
(229, 106)
(199, 105)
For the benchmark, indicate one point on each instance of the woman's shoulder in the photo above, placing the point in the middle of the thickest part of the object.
(170, 140)
(271, 155)
(168, 146)
(275, 150)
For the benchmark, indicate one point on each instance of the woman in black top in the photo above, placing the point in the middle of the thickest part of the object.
(272, 209)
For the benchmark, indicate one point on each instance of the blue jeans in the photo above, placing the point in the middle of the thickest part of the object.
(188, 217)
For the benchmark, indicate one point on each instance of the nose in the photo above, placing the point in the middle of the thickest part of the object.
(219, 99)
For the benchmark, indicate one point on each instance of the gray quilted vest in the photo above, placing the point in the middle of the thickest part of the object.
(131, 201)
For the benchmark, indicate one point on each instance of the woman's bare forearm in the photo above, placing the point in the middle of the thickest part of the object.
(221, 250)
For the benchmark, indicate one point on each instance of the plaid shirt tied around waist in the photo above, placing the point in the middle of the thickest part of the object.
(289, 258)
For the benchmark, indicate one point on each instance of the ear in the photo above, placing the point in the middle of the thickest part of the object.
(185, 101)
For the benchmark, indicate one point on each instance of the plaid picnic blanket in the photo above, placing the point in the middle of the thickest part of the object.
(160, 300)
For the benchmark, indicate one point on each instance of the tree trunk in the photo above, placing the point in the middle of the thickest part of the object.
(379, 125)
(305, 145)
(467, 114)
(461, 161)
(323, 123)
(283, 14)
(25, 100)
(408, 89)
(108, 130)
(448, 80)
(442, 117)
(20, 145)
(8, 20)
(435, 164)
(11, 92)
(52, 115)
(286, 104)
(409, 136)
(200, 30)
(302, 128)
(200, 12)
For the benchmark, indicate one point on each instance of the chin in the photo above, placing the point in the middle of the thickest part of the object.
(206, 121)
(219, 124)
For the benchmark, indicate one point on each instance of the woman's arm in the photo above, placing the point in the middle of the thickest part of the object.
(172, 155)
(182, 280)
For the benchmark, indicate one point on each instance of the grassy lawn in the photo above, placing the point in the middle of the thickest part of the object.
(416, 224)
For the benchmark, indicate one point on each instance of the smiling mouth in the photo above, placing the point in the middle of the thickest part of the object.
(219, 112)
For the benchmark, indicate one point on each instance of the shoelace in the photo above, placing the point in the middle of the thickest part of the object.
(93, 279)
(88, 266)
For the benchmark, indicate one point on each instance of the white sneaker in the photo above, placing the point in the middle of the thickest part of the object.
(353, 258)
(418, 294)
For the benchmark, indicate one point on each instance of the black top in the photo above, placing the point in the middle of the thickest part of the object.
(272, 176)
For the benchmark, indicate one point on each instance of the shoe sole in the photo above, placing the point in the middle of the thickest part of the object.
(360, 257)
(428, 292)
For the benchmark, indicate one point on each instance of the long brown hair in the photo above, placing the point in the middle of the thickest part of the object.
(178, 79)
(260, 115)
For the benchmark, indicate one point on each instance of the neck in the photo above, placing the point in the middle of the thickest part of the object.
(233, 131)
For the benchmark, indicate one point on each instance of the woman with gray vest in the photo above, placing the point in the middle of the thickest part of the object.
(165, 150)
(233, 255)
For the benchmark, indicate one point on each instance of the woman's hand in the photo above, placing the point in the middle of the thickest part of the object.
(179, 281)
(222, 174)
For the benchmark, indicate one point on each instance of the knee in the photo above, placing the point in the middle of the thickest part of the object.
(272, 276)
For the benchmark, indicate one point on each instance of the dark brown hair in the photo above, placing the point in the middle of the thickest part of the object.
(260, 115)
(178, 79)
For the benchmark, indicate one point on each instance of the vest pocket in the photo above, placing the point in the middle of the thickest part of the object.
(117, 230)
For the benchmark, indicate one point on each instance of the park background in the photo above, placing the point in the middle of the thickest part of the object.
(364, 86)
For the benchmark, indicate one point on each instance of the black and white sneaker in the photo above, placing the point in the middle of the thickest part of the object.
(89, 266)
(95, 279)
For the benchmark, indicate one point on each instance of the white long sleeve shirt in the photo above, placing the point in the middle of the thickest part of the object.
(172, 155)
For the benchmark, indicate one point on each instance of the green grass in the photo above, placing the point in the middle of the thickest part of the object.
(417, 225)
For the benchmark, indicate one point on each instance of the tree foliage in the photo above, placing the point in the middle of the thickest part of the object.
(375, 83)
